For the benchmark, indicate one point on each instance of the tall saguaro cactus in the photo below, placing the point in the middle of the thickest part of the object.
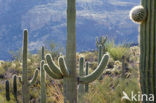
(24, 79)
(145, 14)
(43, 79)
(67, 68)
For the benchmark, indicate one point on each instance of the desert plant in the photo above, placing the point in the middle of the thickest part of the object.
(67, 69)
(86, 85)
(15, 87)
(43, 79)
(7, 88)
(81, 73)
(24, 79)
(101, 42)
(146, 16)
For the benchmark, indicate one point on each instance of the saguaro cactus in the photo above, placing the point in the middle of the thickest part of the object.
(145, 14)
(67, 69)
(15, 87)
(7, 89)
(24, 78)
(86, 85)
(81, 73)
(43, 79)
(101, 42)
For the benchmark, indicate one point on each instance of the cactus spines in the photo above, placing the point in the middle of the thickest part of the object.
(148, 49)
(81, 73)
(24, 78)
(43, 79)
(15, 87)
(7, 89)
(86, 85)
(138, 14)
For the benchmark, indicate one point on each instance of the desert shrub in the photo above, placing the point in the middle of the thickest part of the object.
(118, 51)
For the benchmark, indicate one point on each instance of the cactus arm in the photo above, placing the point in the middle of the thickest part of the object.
(96, 73)
(51, 73)
(33, 80)
(63, 66)
(52, 65)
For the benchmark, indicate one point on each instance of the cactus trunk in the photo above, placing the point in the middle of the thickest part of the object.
(70, 82)
(146, 15)
(43, 79)
(81, 73)
(148, 49)
(15, 87)
(7, 88)
(25, 90)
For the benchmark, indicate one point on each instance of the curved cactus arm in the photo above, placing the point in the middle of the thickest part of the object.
(52, 65)
(96, 73)
(20, 79)
(51, 73)
(33, 80)
(63, 66)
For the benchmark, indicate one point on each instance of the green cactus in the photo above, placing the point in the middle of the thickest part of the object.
(81, 73)
(101, 42)
(146, 16)
(43, 79)
(15, 87)
(24, 78)
(67, 69)
(7, 89)
(86, 85)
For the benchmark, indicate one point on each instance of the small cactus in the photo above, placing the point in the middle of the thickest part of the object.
(7, 89)
(15, 87)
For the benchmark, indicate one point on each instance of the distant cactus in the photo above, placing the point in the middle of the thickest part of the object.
(24, 78)
(67, 68)
(7, 89)
(15, 87)
(81, 73)
(43, 79)
(86, 85)
(102, 43)
(147, 46)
